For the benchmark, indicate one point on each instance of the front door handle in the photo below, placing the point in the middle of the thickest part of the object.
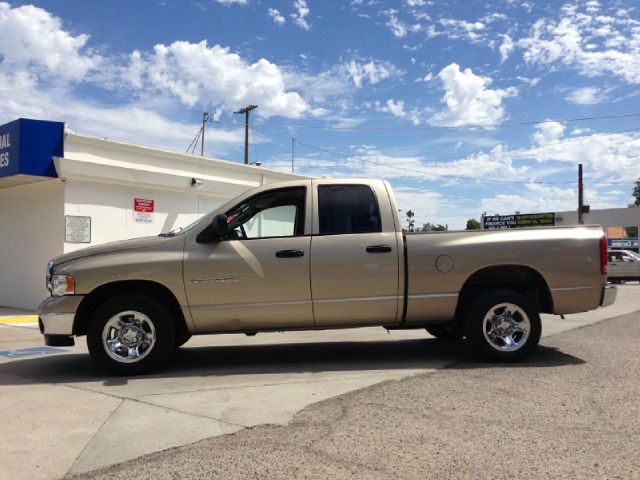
(379, 248)
(289, 253)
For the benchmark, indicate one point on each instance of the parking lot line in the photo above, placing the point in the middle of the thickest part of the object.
(20, 319)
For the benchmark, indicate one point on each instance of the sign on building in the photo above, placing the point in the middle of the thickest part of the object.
(628, 242)
(495, 222)
(77, 229)
(143, 210)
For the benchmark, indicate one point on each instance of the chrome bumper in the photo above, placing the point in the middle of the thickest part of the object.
(56, 315)
(56, 323)
(609, 293)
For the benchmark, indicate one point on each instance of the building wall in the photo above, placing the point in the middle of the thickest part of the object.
(610, 217)
(111, 208)
(31, 232)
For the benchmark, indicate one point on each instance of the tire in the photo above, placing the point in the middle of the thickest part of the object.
(449, 332)
(497, 337)
(181, 339)
(131, 335)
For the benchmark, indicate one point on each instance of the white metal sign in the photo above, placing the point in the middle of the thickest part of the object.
(77, 229)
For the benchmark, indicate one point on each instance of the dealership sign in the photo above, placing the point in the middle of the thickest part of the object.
(28, 147)
(9, 151)
(495, 222)
(628, 242)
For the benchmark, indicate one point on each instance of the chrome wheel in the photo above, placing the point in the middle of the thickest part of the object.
(506, 327)
(128, 336)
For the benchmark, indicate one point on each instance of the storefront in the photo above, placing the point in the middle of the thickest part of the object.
(61, 191)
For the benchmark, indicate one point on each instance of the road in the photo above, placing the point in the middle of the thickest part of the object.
(572, 411)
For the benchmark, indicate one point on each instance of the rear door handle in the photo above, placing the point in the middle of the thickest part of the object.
(289, 253)
(379, 248)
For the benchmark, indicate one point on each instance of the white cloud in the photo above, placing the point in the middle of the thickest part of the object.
(341, 80)
(397, 27)
(605, 155)
(457, 29)
(506, 47)
(196, 73)
(548, 132)
(132, 122)
(277, 18)
(371, 72)
(468, 99)
(31, 38)
(397, 109)
(595, 45)
(586, 96)
(226, 3)
(299, 17)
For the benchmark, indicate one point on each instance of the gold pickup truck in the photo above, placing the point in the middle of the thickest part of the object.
(319, 254)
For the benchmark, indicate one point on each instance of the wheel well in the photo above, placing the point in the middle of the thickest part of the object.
(516, 277)
(100, 295)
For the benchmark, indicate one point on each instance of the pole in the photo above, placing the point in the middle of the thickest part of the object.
(246, 111)
(580, 195)
(293, 144)
(204, 119)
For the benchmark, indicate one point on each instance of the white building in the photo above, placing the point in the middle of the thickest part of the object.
(61, 191)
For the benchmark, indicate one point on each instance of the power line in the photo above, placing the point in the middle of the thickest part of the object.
(446, 127)
(457, 177)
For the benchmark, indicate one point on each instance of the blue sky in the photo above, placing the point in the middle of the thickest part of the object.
(439, 98)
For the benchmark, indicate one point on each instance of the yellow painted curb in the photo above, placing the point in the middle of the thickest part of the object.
(21, 319)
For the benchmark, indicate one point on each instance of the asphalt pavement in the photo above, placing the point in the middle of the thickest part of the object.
(571, 411)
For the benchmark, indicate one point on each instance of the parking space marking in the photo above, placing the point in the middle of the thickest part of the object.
(31, 351)
(20, 319)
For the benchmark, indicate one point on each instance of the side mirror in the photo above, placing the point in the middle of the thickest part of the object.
(219, 226)
(216, 231)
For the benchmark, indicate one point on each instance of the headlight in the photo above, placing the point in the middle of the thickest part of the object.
(62, 285)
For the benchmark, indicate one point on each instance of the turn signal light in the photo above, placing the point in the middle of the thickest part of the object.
(604, 261)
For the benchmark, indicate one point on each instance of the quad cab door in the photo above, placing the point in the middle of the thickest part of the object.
(355, 255)
(258, 277)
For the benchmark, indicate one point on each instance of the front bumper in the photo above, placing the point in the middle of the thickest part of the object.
(56, 315)
(609, 293)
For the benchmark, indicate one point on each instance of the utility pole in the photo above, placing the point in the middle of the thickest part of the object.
(206, 118)
(246, 111)
(580, 197)
(293, 144)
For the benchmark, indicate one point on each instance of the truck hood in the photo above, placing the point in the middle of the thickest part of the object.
(132, 244)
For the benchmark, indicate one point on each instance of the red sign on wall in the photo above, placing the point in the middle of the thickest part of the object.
(142, 205)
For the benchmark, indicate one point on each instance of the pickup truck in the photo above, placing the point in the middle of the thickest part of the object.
(319, 254)
(624, 265)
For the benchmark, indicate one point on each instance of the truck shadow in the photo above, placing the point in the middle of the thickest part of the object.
(218, 361)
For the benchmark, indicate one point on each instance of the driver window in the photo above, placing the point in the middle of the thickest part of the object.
(277, 213)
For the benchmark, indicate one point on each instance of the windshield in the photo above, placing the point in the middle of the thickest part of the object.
(179, 230)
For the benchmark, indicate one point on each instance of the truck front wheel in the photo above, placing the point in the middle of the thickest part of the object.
(502, 325)
(131, 335)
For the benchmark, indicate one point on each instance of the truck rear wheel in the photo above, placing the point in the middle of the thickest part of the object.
(131, 335)
(502, 326)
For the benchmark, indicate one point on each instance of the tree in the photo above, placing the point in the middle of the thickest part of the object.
(473, 224)
(432, 227)
(636, 193)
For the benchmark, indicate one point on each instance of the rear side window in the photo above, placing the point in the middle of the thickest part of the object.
(347, 209)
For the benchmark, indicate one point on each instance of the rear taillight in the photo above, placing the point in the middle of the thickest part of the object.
(604, 263)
